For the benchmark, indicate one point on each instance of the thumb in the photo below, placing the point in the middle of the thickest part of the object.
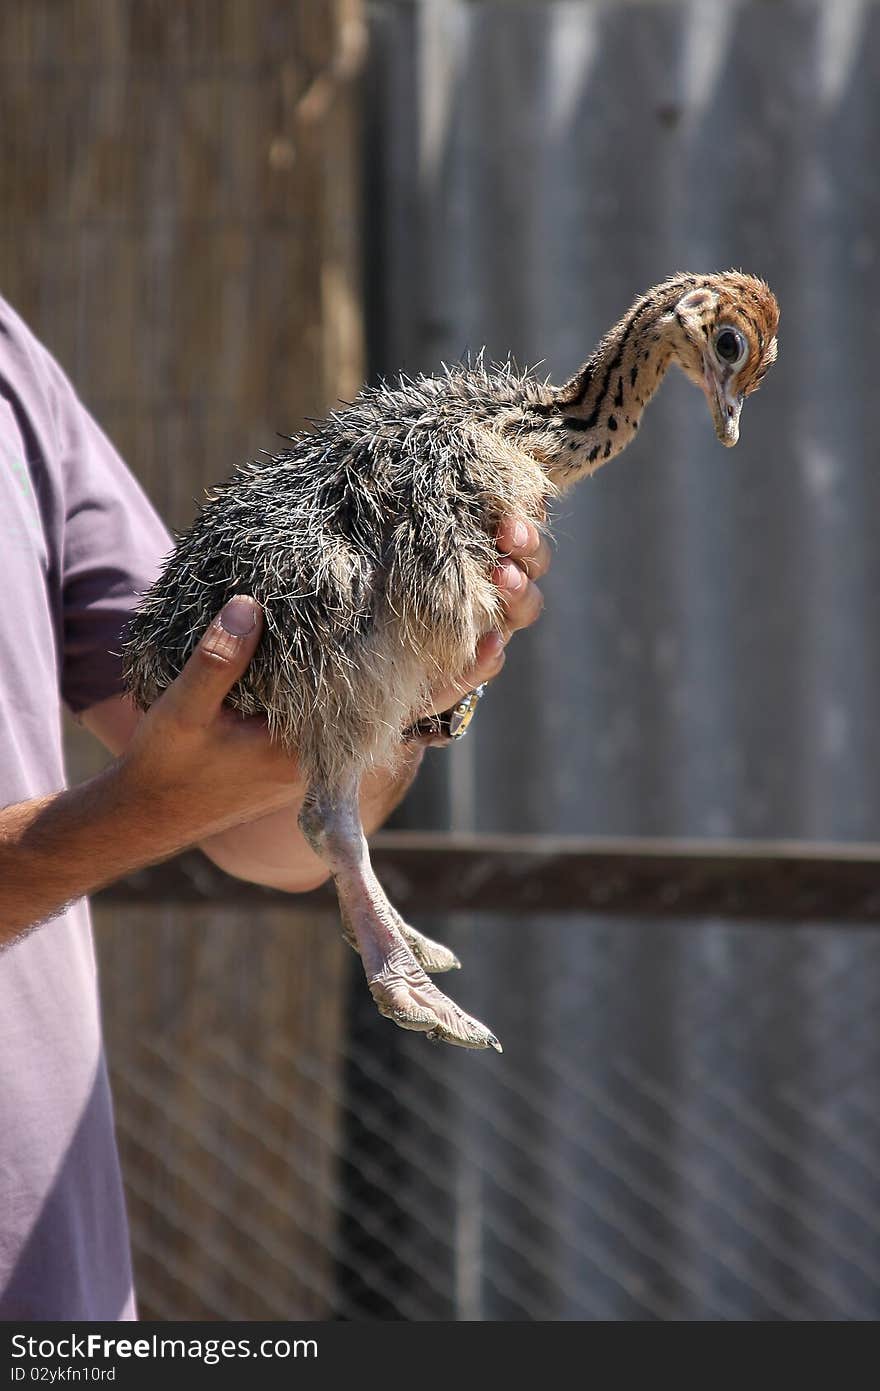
(219, 660)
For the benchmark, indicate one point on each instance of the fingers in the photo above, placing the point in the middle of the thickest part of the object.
(525, 557)
(217, 663)
(522, 600)
(522, 541)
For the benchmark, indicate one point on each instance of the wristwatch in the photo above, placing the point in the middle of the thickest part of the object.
(450, 725)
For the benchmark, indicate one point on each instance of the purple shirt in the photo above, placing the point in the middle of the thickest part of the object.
(78, 540)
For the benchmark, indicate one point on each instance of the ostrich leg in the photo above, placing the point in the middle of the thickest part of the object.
(330, 820)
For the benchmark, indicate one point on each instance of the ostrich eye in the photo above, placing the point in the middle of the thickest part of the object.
(731, 347)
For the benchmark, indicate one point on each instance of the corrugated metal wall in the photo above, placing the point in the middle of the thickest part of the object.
(684, 1120)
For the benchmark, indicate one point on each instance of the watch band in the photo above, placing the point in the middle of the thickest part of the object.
(451, 724)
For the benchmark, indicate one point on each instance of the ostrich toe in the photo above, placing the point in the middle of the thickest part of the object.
(432, 956)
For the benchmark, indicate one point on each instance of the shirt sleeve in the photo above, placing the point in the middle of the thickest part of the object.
(104, 543)
(113, 547)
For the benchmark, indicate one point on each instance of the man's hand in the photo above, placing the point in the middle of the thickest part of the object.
(195, 762)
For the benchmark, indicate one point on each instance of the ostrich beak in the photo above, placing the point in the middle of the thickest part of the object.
(725, 405)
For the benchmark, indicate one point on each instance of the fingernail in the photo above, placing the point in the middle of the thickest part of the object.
(514, 577)
(508, 576)
(520, 534)
(494, 645)
(239, 616)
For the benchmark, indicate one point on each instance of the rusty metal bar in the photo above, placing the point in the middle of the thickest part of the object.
(782, 881)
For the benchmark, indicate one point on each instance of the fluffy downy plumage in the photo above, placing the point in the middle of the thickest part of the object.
(369, 545)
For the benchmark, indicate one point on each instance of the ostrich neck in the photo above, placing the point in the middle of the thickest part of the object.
(596, 414)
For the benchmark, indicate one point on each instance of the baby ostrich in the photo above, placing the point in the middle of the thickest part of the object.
(369, 544)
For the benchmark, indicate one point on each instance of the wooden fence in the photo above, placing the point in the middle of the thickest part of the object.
(179, 224)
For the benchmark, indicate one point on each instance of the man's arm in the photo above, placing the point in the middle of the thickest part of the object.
(191, 771)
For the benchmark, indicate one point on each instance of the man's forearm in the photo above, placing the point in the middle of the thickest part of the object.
(55, 849)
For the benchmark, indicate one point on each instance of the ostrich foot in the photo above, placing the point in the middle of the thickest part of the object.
(330, 820)
(404, 993)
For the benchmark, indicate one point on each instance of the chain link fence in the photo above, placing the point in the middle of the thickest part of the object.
(682, 1126)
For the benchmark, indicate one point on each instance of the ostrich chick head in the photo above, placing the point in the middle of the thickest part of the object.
(724, 340)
